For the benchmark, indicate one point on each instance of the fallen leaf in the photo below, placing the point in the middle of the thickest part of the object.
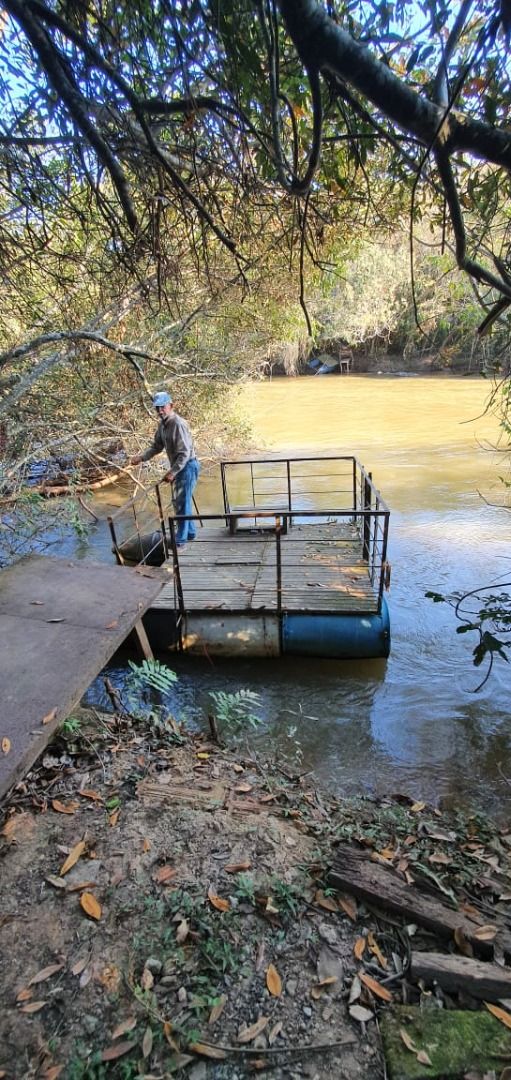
(114, 817)
(64, 808)
(462, 942)
(349, 906)
(375, 950)
(52, 1073)
(164, 874)
(124, 1027)
(217, 1009)
(442, 860)
(24, 995)
(217, 901)
(55, 881)
(147, 1042)
(85, 977)
(203, 756)
(500, 1014)
(273, 981)
(118, 1050)
(87, 793)
(80, 966)
(44, 974)
(182, 932)
(112, 625)
(90, 905)
(109, 977)
(236, 868)
(147, 979)
(359, 947)
(387, 853)
(167, 1031)
(485, 933)
(208, 1051)
(146, 845)
(417, 807)
(375, 987)
(407, 1041)
(267, 798)
(423, 1058)
(238, 768)
(276, 1030)
(49, 717)
(33, 1007)
(355, 990)
(357, 1012)
(326, 902)
(247, 1034)
(6, 746)
(73, 857)
(241, 789)
(80, 886)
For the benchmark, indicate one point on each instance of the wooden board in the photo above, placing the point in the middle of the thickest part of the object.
(454, 973)
(60, 623)
(355, 872)
(322, 571)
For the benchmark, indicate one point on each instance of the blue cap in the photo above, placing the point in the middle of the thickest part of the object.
(162, 399)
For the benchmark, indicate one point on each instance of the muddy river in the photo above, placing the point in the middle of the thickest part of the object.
(412, 723)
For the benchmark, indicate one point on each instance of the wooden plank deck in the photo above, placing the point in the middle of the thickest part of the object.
(60, 622)
(322, 571)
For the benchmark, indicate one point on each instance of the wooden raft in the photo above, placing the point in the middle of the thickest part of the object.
(322, 571)
(60, 622)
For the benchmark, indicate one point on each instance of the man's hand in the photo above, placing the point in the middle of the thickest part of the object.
(169, 477)
(136, 459)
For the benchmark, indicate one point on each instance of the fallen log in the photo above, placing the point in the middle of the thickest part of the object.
(355, 872)
(70, 489)
(454, 973)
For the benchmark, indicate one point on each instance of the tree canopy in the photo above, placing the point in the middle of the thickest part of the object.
(148, 145)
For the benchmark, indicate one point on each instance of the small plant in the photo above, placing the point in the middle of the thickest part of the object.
(153, 674)
(72, 725)
(285, 896)
(235, 711)
(245, 888)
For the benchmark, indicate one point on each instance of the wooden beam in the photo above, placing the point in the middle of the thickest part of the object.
(454, 973)
(355, 872)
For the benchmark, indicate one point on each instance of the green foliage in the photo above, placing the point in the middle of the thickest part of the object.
(153, 674)
(487, 614)
(234, 711)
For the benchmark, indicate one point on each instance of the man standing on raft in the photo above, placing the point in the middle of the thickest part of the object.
(173, 435)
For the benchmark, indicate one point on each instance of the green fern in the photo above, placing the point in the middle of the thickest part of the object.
(151, 673)
(235, 711)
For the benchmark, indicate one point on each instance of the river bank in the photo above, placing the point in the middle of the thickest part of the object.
(167, 910)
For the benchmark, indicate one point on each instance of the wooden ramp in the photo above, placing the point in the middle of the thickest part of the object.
(60, 622)
(323, 570)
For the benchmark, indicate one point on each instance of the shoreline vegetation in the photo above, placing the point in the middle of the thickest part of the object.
(173, 906)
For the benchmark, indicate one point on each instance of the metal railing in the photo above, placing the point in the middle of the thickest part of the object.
(277, 493)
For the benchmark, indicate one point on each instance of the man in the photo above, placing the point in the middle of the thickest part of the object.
(173, 435)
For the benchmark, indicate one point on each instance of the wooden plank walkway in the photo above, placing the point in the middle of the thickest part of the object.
(322, 571)
(60, 622)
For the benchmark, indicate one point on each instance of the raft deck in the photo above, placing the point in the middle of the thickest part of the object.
(322, 569)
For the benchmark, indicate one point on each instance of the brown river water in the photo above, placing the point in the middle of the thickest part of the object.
(413, 723)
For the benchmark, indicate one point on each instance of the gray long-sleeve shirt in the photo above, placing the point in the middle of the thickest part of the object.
(174, 436)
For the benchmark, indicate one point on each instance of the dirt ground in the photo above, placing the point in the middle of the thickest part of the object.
(190, 916)
(164, 911)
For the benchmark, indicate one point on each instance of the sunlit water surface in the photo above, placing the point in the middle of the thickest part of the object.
(412, 723)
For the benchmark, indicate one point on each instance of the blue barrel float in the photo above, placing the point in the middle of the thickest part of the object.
(365, 636)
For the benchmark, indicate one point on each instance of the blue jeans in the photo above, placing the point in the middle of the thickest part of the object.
(184, 487)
